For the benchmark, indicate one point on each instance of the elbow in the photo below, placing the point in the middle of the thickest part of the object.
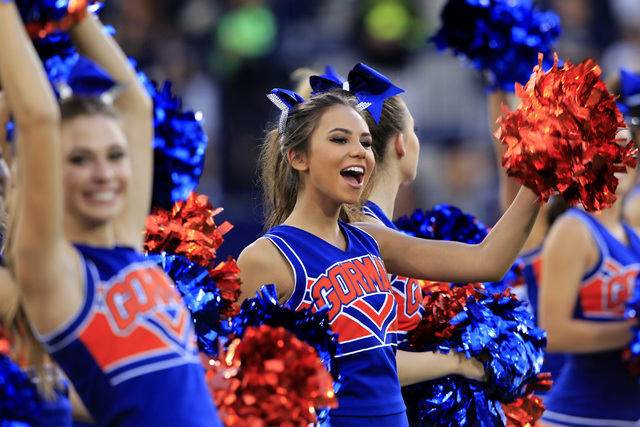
(555, 342)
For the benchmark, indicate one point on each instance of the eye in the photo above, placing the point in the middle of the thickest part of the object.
(78, 159)
(367, 143)
(339, 139)
(116, 155)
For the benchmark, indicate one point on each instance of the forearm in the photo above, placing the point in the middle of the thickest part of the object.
(506, 239)
(23, 78)
(415, 367)
(582, 336)
(90, 39)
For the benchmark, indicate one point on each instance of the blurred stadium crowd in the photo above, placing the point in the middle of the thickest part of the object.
(223, 56)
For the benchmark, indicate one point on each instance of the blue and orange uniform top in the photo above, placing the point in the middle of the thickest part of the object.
(354, 285)
(597, 389)
(130, 350)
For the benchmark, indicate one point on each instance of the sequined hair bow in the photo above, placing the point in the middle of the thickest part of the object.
(86, 78)
(285, 100)
(369, 86)
(629, 102)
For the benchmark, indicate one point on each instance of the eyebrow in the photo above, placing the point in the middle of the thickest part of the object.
(348, 131)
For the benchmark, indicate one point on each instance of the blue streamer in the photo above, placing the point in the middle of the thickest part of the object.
(179, 147)
(503, 37)
(19, 400)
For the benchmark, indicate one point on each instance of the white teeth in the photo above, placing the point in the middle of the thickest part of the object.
(356, 169)
(103, 196)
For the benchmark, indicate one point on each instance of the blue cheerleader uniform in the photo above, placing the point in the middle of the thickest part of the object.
(596, 389)
(355, 287)
(130, 350)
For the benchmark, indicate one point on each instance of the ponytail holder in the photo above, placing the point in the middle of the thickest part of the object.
(369, 86)
(629, 94)
(86, 78)
(285, 100)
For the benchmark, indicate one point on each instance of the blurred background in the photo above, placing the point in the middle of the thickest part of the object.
(223, 56)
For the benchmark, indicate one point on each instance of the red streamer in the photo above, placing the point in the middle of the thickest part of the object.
(77, 13)
(270, 378)
(189, 230)
(562, 137)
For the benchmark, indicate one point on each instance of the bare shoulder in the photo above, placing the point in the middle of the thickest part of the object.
(569, 238)
(261, 263)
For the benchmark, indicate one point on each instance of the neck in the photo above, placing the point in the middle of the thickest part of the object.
(385, 190)
(99, 235)
(612, 216)
(316, 218)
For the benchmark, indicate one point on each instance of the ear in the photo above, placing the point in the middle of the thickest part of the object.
(398, 143)
(297, 160)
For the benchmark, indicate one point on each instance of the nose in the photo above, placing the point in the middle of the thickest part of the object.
(358, 150)
(103, 170)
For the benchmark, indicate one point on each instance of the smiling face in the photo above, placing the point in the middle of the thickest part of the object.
(340, 160)
(96, 168)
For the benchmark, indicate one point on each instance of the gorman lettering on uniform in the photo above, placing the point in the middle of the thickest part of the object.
(143, 315)
(361, 306)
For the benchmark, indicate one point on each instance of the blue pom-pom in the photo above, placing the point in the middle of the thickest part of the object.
(495, 328)
(312, 328)
(179, 147)
(502, 37)
(19, 400)
(451, 401)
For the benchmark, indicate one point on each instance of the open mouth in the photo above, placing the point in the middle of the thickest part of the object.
(353, 174)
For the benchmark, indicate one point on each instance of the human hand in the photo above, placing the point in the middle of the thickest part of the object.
(472, 369)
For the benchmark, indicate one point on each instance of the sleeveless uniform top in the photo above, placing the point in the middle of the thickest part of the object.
(531, 271)
(130, 350)
(362, 311)
(596, 389)
(407, 291)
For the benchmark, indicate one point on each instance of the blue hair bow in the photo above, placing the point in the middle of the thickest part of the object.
(629, 91)
(86, 78)
(369, 86)
(285, 100)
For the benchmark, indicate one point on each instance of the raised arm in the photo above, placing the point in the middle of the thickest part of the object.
(568, 252)
(137, 111)
(509, 187)
(44, 264)
(457, 262)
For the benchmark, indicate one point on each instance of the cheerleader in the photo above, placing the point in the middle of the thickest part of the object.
(315, 167)
(591, 264)
(110, 319)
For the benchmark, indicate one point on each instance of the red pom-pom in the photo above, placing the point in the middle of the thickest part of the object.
(270, 378)
(226, 277)
(562, 136)
(187, 230)
(528, 409)
(77, 12)
(441, 303)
